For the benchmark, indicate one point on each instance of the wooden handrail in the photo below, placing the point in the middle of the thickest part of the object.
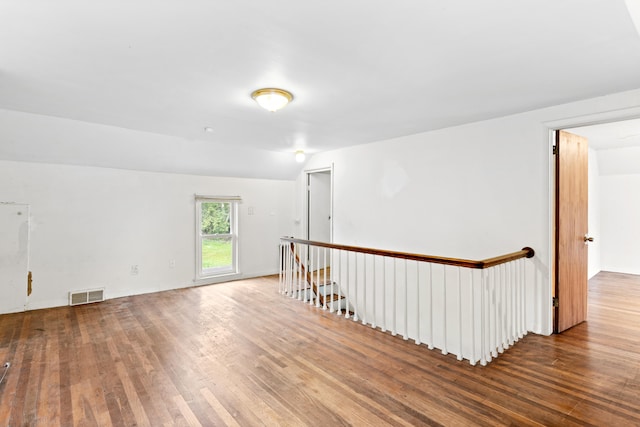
(525, 252)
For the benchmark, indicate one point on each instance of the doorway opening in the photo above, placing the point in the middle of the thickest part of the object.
(613, 181)
(319, 205)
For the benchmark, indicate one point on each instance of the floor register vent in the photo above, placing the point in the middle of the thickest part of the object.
(86, 297)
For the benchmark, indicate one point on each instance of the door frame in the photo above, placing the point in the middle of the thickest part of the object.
(551, 128)
(306, 199)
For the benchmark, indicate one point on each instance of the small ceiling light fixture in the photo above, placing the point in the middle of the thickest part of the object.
(272, 99)
(300, 156)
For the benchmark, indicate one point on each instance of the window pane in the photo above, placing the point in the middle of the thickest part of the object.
(217, 252)
(216, 218)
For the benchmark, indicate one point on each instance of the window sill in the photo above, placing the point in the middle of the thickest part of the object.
(217, 278)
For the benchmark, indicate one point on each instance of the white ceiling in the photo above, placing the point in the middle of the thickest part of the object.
(606, 136)
(360, 71)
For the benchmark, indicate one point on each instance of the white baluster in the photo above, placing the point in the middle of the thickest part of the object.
(516, 307)
(484, 319)
(499, 309)
(280, 269)
(375, 290)
(393, 301)
(431, 339)
(364, 289)
(309, 274)
(332, 278)
(324, 281)
(516, 283)
(405, 335)
(299, 272)
(505, 306)
(509, 295)
(494, 341)
(356, 303)
(506, 309)
(512, 317)
(318, 295)
(289, 269)
(285, 276)
(305, 275)
(384, 295)
(472, 323)
(292, 272)
(459, 315)
(444, 311)
(523, 306)
(340, 282)
(417, 303)
(348, 292)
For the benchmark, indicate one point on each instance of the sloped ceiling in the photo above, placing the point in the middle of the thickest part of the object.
(133, 84)
(617, 145)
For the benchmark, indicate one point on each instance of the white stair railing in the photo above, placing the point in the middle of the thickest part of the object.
(473, 309)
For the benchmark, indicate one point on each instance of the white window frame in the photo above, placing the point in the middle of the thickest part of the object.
(205, 273)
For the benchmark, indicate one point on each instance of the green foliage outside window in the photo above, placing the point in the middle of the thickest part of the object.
(216, 218)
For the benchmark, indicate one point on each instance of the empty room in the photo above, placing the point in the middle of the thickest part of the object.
(284, 213)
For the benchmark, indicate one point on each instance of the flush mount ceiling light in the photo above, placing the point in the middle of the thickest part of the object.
(272, 99)
(300, 156)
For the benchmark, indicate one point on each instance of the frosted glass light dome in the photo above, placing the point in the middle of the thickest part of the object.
(272, 99)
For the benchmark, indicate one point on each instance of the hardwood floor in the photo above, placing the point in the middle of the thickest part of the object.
(240, 354)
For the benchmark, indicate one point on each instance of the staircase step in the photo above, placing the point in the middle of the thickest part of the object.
(333, 297)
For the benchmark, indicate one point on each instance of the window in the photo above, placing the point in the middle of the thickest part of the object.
(216, 236)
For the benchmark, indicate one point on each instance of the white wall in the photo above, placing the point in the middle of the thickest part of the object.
(620, 198)
(594, 215)
(89, 225)
(471, 191)
(620, 209)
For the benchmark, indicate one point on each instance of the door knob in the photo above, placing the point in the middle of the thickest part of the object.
(588, 238)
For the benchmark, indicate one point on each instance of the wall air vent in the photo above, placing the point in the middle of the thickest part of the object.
(86, 297)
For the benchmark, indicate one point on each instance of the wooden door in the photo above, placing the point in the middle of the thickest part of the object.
(572, 157)
(14, 257)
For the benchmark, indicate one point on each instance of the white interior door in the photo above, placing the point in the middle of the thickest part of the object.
(319, 206)
(14, 257)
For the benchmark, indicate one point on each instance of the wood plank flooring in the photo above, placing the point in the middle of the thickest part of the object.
(239, 354)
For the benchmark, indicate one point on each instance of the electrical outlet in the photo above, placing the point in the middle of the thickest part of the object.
(172, 263)
(134, 270)
(251, 210)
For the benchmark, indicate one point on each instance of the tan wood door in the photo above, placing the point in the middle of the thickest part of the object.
(572, 157)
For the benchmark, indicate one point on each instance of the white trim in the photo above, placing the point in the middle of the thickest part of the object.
(323, 169)
(331, 206)
(231, 277)
(218, 198)
(603, 117)
(219, 278)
